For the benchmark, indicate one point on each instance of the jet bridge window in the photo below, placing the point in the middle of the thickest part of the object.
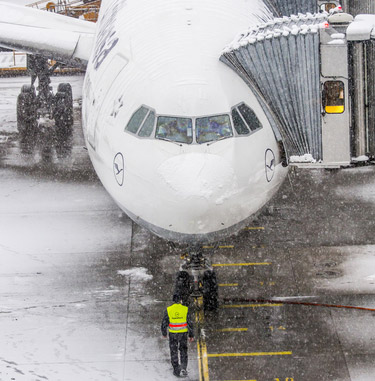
(244, 119)
(179, 130)
(326, 7)
(333, 97)
(136, 120)
(213, 128)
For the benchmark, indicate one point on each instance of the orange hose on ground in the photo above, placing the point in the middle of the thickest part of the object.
(276, 301)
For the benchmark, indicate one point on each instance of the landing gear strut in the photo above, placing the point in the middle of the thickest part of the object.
(34, 108)
(197, 278)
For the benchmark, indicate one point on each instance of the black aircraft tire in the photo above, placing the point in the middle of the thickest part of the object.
(26, 118)
(63, 116)
(46, 153)
(63, 145)
(63, 140)
(26, 108)
(210, 291)
(21, 112)
(66, 88)
(183, 286)
(28, 138)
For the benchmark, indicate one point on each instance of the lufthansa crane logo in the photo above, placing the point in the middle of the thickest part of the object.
(270, 164)
(118, 168)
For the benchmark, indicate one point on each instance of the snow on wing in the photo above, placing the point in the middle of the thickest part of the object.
(51, 35)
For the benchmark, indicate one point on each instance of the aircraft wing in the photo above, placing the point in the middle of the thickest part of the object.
(49, 34)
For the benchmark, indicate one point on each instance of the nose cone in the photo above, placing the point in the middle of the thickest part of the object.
(198, 185)
(198, 176)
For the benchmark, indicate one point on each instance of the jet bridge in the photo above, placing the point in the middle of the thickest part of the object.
(280, 61)
(282, 8)
(310, 74)
(361, 44)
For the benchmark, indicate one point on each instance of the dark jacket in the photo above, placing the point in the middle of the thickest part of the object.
(165, 324)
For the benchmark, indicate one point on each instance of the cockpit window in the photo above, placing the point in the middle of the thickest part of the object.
(193, 129)
(148, 126)
(249, 116)
(213, 128)
(239, 124)
(178, 130)
(136, 120)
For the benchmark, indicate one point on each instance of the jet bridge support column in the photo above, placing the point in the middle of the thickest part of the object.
(370, 76)
(356, 7)
(335, 92)
(361, 39)
(359, 100)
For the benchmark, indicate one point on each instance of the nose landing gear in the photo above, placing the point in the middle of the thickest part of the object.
(196, 279)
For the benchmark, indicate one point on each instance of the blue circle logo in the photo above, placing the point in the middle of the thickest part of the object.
(118, 168)
(270, 164)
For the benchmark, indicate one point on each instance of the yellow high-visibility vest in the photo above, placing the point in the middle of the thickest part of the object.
(177, 314)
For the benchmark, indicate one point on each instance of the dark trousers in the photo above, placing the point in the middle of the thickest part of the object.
(178, 343)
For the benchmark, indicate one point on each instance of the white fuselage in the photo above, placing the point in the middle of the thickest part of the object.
(164, 55)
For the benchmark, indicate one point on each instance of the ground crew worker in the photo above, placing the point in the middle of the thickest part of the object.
(178, 322)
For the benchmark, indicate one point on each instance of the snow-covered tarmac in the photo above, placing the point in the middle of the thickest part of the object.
(67, 285)
(83, 289)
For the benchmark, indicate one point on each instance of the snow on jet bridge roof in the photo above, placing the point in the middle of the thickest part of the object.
(362, 28)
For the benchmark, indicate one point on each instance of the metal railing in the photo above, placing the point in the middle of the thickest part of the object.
(59, 5)
(75, 8)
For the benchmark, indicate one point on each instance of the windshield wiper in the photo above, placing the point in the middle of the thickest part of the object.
(169, 140)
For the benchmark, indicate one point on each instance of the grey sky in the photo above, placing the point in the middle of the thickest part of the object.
(19, 2)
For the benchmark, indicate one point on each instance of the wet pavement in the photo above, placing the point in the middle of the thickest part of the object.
(83, 289)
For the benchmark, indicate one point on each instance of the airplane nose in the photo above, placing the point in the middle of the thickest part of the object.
(200, 179)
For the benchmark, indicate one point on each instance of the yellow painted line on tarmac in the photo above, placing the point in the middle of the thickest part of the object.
(240, 380)
(13, 69)
(204, 360)
(242, 264)
(254, 228)
(228, 284)
(200, 366)
(220, 247)
(201, 344)
(251, 305)
(281, 328)
(250, 354)
(199, 315)
(199, 360)
(267, 283)
(233, 330)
